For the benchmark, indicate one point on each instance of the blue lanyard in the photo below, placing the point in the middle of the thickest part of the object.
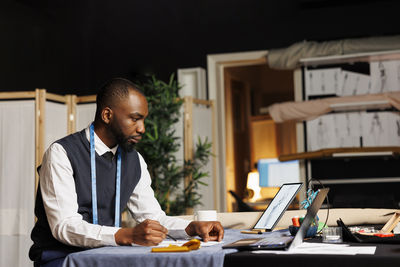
(93, 174)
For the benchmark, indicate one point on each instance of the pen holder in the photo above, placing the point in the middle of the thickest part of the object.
(311, 232)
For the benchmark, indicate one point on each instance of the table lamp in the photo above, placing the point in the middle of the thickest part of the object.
(253, 183)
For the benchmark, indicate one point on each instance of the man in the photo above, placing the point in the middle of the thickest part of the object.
(88, 178)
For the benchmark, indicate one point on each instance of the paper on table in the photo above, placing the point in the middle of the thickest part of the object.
(181, 242)
(323, 248)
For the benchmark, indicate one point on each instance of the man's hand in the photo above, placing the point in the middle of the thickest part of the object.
(209, 231)
(147, 233)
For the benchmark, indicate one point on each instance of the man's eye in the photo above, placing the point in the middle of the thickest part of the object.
(135, 119)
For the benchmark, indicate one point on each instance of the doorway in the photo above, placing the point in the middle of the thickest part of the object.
(237, 111)
(251, 134)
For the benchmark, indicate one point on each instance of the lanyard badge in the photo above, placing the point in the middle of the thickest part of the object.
(93, 179)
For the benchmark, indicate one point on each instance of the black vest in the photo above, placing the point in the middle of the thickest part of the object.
(78, 151)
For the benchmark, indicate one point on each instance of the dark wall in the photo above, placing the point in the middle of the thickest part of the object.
(74, 46)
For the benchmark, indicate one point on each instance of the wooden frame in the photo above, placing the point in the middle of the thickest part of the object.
(71, 105)
(391, 224)
(17, 95)
(85, 99)
(188, 129)
(188, 137)
(40, 101)
(40, 96)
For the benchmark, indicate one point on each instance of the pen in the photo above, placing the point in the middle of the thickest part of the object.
(173, 238)
(251, 232)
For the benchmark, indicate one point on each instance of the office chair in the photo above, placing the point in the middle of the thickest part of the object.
(241, 206)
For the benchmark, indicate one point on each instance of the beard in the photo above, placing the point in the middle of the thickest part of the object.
(122, 140)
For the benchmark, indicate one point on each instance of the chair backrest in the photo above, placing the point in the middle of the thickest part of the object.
(240, 204)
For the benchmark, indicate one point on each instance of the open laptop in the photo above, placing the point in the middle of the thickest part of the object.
(277, 207)
(276, 240)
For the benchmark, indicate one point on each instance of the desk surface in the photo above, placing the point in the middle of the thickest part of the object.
(385, 255)
(125, 256)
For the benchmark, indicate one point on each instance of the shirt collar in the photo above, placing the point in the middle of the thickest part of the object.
(99, 146)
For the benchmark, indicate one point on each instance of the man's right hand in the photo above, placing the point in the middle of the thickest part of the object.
(147, 233)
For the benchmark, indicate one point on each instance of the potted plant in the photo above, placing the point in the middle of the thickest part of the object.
(160, 144)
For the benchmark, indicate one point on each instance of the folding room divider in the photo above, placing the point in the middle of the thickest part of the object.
(30, 121)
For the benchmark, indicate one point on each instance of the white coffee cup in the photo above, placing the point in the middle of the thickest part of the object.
(205, 215)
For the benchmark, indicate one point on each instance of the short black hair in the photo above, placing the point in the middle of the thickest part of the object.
(112, 92)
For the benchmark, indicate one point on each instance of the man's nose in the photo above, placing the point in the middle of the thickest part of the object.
(141, 129)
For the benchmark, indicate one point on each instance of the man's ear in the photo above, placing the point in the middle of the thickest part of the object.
(106, 115)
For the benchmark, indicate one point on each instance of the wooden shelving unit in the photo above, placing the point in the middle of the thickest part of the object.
(343, 152)
(359, 176)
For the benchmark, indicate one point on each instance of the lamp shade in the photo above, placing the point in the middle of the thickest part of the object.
(253, 183)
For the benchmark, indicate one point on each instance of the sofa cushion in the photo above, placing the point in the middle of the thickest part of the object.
(246, 220)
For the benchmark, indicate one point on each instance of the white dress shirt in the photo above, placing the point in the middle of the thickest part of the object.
(60, 201)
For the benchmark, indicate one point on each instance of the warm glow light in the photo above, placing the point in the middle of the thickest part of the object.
(253, 183)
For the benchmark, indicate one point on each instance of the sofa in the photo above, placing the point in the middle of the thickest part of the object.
(246, 220)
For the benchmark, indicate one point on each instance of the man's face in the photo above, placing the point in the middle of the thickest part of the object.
(127, 124)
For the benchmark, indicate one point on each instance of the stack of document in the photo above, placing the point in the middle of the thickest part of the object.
(324, 248)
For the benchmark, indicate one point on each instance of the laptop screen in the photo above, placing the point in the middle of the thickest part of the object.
(278, 206)
(281, 240)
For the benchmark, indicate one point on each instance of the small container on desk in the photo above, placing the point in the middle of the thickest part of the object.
(332, 235)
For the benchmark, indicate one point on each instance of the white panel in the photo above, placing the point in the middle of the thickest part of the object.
(193, 82)
(84, 115)
(180, 154)
(202, 127)
(17, 181)
(56, 125)
(321, 133)
(189, 84)
(323, 82)
(178, 127)
(381, 129)
(355, 84)
(348, 129)
(385, 76)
